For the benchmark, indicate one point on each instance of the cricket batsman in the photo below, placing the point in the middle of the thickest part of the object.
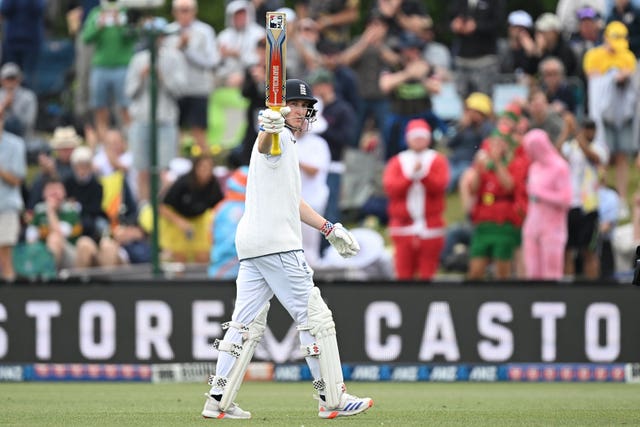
(269, 245)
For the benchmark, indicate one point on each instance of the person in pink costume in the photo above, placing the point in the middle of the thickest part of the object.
(415, 181)
(545, 226)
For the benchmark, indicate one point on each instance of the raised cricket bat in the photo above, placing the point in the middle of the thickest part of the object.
(276, 76)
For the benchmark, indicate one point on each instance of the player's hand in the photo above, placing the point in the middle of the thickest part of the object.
(271, 121)
(343, 241)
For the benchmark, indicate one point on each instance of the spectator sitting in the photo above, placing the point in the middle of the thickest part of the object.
(223, 261)
(83, 187)
(475, 125)
(63, 142)
(112, 156)
(185, 213)
(560, 95)
(625, 239)
(20, 104)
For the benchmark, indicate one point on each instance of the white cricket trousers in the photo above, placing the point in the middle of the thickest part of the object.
(285, 275)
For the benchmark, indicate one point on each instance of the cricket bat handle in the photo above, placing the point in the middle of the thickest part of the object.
(275, 139)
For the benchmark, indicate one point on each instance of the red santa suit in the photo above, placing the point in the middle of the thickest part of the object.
(415, 183)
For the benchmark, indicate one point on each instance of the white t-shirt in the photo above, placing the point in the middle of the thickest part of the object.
(271, 221)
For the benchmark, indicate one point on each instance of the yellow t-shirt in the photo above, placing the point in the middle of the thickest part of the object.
(600, 60)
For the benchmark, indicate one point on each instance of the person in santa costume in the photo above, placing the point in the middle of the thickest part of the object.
(415, 181)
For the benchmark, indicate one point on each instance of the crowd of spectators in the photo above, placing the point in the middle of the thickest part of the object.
(526, 119)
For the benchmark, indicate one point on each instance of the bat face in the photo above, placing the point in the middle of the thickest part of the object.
(275, 59)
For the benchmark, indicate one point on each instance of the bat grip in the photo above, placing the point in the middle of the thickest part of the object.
(275, 139)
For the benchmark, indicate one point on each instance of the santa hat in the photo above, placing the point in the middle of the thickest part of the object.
(418, 128)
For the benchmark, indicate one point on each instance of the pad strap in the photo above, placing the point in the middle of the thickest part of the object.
(310, 350)
(230, 347)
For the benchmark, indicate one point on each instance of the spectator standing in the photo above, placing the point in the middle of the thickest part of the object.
(197, 41)
(57, 163)
(475, 28)
(237, 42)
(345, 80)
(623, 11)
(514, 52)
(613, 98)
(490, 186)
(13, 170)
(549, 41)
(589, 35)
(415, 181)
(23, 34)
(544, 233)
(186, 213)
(340, 118)
(368, 55)
(409, 85)
(20, 103)
(543, 116)
(76, 17)
(172, 82)
(334, 17)
(106, 28)
(566, 11)
(474, 127)
(223, 259)
(584, 155)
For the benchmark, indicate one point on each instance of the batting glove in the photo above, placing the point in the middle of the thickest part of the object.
(271, 121)
(341, 239)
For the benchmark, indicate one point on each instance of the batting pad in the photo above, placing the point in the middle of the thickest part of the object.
(251, 336)
(322, 327)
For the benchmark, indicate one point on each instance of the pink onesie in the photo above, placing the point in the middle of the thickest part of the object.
(544, 233)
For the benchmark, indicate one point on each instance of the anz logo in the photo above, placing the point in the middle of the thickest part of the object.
(303, 89)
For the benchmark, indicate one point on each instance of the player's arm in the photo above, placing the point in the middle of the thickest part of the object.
(338, 236)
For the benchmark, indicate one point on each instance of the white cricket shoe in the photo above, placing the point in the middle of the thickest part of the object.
(212, 410)
(349, 405)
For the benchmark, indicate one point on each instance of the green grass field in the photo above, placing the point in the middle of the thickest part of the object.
(290, 404)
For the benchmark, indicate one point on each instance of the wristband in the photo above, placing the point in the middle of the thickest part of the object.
(326, 228)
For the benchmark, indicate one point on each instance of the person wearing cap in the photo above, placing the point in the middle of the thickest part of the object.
(588, 35)
(415, 181)
(13, 170)
(476, 27)
(57, 163)
(474, 126)
(609, 69)
(20, 104)
(550, 41)
(237, 42)
(511, 50)
(567, 12)
(629, 14)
